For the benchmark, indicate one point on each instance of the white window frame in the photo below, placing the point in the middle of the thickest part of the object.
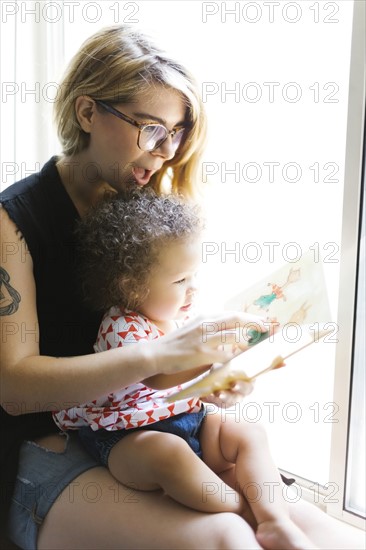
(349, 263)
(331, 498)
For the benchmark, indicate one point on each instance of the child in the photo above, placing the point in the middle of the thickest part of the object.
(141, 255)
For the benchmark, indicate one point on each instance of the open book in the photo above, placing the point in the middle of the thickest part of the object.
(295, 302)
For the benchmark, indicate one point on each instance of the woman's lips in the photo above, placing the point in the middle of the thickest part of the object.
(141, 175)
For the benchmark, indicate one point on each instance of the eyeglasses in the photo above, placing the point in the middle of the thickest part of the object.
(151, 136)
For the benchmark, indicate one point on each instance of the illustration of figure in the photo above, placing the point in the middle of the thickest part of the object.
(299, 316)
(264, 301)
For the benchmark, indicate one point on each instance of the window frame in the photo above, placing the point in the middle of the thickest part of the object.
(351, 234)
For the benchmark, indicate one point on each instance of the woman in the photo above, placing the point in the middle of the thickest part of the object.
(127, 116)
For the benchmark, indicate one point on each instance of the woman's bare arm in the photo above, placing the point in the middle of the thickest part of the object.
(33, 383)
(30, 382)
(163, 381)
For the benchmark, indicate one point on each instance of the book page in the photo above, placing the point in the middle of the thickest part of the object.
(295, 298)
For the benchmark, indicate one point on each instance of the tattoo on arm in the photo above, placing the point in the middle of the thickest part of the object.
(9, 297)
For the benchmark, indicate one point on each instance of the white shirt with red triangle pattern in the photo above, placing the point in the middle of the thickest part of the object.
(135, 405)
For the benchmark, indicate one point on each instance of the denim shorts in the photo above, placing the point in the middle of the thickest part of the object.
(99, 443)
(42, 476)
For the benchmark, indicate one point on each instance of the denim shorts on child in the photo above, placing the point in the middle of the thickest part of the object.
(99, 443)
(42, 476)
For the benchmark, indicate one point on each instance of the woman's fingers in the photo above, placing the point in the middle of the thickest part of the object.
(231, 328)
(233, 320)
(205, 340)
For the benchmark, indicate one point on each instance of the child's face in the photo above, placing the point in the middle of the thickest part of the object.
(172, 285)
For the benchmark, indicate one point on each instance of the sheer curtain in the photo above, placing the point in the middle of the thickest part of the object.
(31, 55)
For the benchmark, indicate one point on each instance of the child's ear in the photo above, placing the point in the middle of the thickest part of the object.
(84, 109)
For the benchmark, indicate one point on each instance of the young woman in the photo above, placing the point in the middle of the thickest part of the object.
(127, 115)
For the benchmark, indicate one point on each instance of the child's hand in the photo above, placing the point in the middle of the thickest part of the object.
(227, 398)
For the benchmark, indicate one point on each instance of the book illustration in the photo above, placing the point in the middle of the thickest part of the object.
(297, 294)
(264, 301)
(297, 307)
(300, 314)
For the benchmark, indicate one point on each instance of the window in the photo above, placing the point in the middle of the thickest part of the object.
(355, 472)
(348, 445)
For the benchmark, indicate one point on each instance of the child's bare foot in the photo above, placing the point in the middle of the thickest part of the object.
(282, 535)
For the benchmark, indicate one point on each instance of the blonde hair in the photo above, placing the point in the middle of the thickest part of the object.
(116, 65)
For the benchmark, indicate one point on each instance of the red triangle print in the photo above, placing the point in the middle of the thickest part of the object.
(107, 331)
(132, 406)
(129, 319)
(150, 415)
(106, 414)
(122, 334)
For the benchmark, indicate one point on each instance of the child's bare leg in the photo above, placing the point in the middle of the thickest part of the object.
(148, 460)
(226, 442)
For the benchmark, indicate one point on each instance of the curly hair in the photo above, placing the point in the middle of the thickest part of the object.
(120, 241)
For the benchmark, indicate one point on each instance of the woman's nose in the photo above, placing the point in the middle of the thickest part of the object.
(166, 149)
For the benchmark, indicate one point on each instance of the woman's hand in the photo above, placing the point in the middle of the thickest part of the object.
(202, 341)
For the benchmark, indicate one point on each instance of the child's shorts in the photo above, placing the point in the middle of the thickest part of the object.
(42, 476)
(99, 443)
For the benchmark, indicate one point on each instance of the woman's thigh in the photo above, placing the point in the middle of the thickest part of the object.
(42, 475)
(102, 514)
(63, 499)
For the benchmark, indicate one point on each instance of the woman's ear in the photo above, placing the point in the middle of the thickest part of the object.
(84, 110)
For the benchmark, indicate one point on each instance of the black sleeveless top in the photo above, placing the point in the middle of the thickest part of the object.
(45, 216)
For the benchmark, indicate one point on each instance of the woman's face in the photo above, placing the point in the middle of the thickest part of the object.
(113, 149)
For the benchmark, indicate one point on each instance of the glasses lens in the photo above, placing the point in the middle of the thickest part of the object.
(152, 136)
(177, 138)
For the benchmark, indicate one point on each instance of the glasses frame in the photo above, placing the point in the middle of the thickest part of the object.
(140, 126)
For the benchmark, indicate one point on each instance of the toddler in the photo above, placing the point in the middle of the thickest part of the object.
(141, 255)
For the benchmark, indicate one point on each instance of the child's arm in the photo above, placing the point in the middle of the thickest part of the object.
(164, 381)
